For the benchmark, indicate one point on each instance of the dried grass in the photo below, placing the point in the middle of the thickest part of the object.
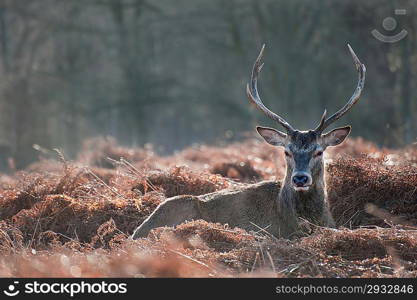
(77, 216)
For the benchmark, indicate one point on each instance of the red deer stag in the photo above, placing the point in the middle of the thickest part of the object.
(265, 205)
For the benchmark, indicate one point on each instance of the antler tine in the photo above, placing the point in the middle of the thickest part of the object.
(323, 118)
(253, 95)
(353, 99)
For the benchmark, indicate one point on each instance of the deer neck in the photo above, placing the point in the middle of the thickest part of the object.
(304, 203)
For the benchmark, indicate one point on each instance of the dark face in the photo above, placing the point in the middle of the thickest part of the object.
(304, 156)
(304, 152)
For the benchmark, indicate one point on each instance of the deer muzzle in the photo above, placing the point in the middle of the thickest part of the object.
(301, 181)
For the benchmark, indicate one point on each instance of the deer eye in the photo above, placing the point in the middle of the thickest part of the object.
(287, 154)
(319, 153)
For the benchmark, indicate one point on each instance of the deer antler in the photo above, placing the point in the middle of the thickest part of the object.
(324, 123)
(253, 96)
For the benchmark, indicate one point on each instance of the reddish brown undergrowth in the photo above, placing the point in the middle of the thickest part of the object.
(64, 218)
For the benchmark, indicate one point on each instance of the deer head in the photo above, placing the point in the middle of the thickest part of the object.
(304, 149)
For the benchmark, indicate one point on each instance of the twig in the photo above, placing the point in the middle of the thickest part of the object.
(193, 260)
(254, 262)
(271, 261)
(105, 184)
(264, 230)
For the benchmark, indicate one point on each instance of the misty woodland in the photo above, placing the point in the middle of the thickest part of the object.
(139, 138)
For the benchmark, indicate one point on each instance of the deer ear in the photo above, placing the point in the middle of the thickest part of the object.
(272, 136)
(336, 136)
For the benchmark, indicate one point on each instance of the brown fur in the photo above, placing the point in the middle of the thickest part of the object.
(261, 205)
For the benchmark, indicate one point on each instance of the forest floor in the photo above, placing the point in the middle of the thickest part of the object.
(62, 218)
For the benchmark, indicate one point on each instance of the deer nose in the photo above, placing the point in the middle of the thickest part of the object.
(300, 180)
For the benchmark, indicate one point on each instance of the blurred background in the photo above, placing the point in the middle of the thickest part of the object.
(173, 73)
